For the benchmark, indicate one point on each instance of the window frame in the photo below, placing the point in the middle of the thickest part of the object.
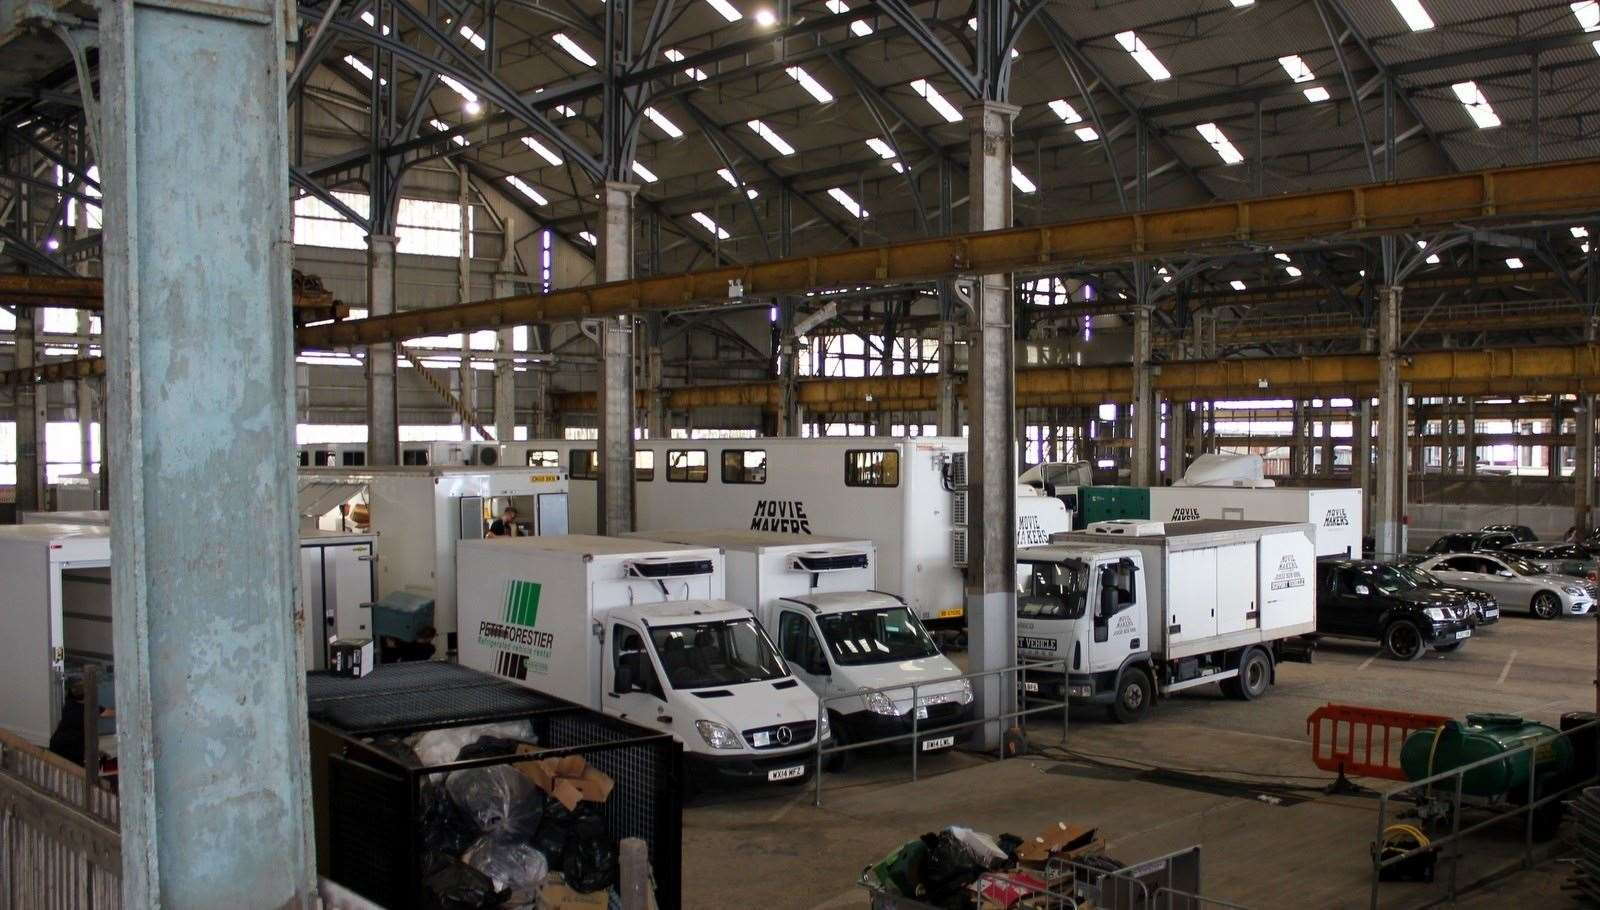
(592, 456)
(644, 473)
(852, 453)
(740, 471)
(704, 466)
(555, 460)
(653, 686)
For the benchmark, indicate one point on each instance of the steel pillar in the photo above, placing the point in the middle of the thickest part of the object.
(949, 406)
(788, 367)
(1471, 433)
(211, 712)
(991, 413)
(1299, 446)
(30, 399)
(1389, 505)
(83, 405)
(383, 405)
(1583, 464)
(505, 374)
(1558, 407)
(1145, 421)
(615, 416)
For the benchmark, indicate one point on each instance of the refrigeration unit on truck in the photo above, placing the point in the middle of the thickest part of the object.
(639, 629)
(899, 492)
(1334, 513)
(1141, 609)
(815, 598)
(419, 514)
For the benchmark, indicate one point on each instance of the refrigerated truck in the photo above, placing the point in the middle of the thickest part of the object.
(1334, 513)
(902, 493)
(420, 514)
(1144, 609)
(639, 629)
(816, 599)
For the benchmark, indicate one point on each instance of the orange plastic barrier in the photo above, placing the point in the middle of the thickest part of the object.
(1351, 739)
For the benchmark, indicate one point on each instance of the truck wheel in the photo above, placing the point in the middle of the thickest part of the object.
(1546, 605)
(1133, 696)
(1403, 641)
(839, 761)
(1255, 675)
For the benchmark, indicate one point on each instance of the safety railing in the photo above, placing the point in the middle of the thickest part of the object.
(1016, 675)
(1350, 739)
(1528, 803)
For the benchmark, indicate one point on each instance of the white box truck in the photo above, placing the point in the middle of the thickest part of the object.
(1334, 513)
(55, 610)
(1141, 609)
(902, 493)
(639, 629)
(840, 637)
(419, 514)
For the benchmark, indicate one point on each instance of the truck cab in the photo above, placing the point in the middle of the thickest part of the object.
(706, 672)
(1083, 605)
(844, 643)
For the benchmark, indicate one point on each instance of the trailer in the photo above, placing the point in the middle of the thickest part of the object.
(56, 605)
(1145, 609)
(419, 514)
(1334, 513)
(639, 629)
(905, 494)
(815, 598)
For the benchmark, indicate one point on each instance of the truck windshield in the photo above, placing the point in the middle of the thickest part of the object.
(702, 655)
(876, 636)
(1052, 590)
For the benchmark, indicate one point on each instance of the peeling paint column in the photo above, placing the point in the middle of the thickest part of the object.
(615, 406)
(30, 399)
(949, 404)
(991, 411)
(1145, 421)
(1388, 508)
(383, 403)
(215, 791)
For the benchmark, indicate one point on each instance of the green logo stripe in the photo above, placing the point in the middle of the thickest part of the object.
(522, 603)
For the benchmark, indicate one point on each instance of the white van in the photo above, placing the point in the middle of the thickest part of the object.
(638, 629)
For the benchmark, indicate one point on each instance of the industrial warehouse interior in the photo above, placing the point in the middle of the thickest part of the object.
(799, 454)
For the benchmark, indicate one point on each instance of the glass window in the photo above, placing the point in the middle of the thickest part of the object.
(716, 654)
(686, 465)
(544, 458)
(644, 465)
(744, 466)
(414, 456)
(876, 636)
(872, 468)
(354, 459)
(583, 464)
(1052, 590)
(628, 659)
(798, 645)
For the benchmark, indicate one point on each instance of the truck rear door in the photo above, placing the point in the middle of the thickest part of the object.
(1192, 595)
(1236, 588)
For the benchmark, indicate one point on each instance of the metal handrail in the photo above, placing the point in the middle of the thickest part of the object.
(915, 735)
(1457, 833)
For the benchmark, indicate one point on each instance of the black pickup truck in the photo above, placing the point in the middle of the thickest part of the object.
(1358, 598)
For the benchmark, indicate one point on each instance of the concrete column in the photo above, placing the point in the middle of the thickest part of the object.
(211, 712)
(1391, 462)
(1470, 433)
(657, 418)
(1361, 443)
(505, 374)
(29, 399)
(948, 415)
(383, 404)
(1558, 407)
(83, 404)
(1583, 456)
(466, 377)
(991, 413)
(788, 423)
(1144, 421)
(616, 404)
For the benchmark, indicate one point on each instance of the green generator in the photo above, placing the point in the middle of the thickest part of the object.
(1106, 503)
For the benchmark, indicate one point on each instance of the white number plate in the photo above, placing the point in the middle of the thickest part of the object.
(942, 742)
(787, 773)
(1491, 614)
(1030, 687)
(1464, 633)
(922, 712)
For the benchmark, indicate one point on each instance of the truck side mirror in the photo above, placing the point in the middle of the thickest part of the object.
(1108, 600)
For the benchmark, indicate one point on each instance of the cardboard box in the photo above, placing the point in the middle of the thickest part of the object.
(1064, 841)
(557, 896)
(568, 779)
(351, 656)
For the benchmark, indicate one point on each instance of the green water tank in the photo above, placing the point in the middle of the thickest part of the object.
(1484, 736)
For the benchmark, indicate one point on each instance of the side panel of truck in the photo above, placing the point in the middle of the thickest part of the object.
(523, 603)
(25, 648)
(1287, 592)
(1334, 513)
(1236, 588)
(1191, 596)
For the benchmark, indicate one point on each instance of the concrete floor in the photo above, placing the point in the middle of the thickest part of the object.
(771, 848)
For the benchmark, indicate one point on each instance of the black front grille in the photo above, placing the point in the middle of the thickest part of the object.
(800, 733)
(945, 712)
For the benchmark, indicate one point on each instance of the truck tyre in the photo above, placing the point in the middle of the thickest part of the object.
(1255, 675)
(1402, 640)
(839, 761)
(1546, 605)
(1134, 692)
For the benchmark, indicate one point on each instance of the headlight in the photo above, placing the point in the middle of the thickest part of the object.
(718, 736)
(1575, 590)
(824, 730)
(964, 691)
(880, 703)
(1437, 614)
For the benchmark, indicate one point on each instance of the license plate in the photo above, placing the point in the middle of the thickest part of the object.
(787, 773)
(952, 613)
(1464, 633)
(942, 742)
(922, 713)
(1030, 687)
(1491, 614)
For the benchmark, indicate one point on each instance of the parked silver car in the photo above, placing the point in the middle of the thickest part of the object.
(1514, 582)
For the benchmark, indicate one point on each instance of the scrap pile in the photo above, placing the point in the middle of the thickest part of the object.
(962, 869)
(1585, 879)
(520, 835)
